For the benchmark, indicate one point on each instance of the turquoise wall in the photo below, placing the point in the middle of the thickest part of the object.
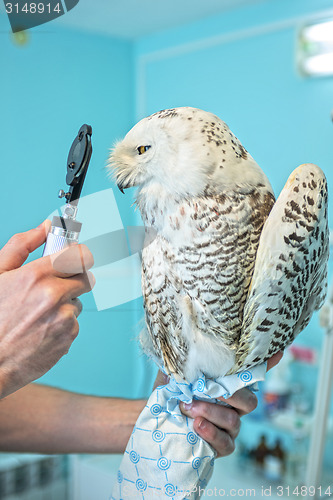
(239, 65)
(49, 87)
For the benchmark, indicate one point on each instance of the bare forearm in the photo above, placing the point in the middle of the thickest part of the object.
(47, 420)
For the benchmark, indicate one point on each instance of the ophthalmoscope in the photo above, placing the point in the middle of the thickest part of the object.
(65, 229)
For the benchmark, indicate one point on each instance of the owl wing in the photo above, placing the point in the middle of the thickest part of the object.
(160, 285)
(290, 275)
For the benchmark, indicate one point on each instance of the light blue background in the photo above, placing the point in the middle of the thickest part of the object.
(49, 88)
(240, 65)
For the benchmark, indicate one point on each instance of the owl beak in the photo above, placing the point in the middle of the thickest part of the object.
(125, 183)
(122, 185)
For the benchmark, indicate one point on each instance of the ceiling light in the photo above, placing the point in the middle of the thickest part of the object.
(315, 49)
(320, 65)
(321, 32)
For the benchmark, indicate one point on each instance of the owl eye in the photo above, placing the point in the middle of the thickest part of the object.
(143, 149)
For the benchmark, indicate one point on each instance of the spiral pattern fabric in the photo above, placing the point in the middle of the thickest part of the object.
(165, 458)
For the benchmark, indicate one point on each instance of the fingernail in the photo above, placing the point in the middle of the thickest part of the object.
(92, 279)
(46, 224)
(187, 406)
(202, 424)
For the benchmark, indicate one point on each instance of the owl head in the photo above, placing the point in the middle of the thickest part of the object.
(182, 152)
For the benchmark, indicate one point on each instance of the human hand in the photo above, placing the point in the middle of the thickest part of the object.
(217, 424)
(220, 425)
(38, 306)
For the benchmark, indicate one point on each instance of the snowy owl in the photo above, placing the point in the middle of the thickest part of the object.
(232, 275)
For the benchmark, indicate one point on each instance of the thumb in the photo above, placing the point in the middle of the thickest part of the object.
(18, 248)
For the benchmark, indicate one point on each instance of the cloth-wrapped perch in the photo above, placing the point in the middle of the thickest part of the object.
(164, 457)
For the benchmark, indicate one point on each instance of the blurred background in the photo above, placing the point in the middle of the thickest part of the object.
(109, 64)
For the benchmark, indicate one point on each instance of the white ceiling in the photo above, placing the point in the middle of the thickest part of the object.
(131, 19)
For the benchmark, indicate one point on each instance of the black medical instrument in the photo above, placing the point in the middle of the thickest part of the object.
(65, 229)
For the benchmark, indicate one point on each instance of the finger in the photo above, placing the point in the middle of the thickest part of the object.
(244, 401)
(274, 360)
(77, 304)
(65, 326)
(18, 248)
(223, 417)
(57, 292)
(220, 440)
(73, 260)
(77, 285)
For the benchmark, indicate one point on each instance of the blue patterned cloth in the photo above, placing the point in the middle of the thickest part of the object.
(165, 458)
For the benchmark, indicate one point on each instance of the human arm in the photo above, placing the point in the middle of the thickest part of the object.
(44, 419)
(38, 306)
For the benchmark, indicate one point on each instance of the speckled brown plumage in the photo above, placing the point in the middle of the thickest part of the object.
(231, 277)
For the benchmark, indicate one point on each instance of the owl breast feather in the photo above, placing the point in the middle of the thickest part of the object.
(196, 275)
